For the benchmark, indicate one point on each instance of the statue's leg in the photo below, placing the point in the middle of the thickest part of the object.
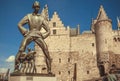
(22, 48)
(35, 70)
(34, 67)
(44, 47)
(21, 66)
(27, 67)
(30, 70)
(24, 67)
(27, 40)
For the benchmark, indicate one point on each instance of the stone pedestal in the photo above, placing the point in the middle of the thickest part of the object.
(32, 77)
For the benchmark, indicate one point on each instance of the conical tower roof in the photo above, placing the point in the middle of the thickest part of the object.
(102, 14)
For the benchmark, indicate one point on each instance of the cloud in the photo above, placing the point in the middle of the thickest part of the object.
(10, 58)
(7, 63)
(3, 70)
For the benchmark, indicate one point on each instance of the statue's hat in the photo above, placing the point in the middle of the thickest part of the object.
(36, 3)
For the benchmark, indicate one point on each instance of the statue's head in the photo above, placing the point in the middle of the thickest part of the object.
(36, 4)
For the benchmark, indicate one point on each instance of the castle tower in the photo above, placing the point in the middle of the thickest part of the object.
(103, 33)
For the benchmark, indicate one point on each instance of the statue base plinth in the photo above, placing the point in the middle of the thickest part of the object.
(32, 77)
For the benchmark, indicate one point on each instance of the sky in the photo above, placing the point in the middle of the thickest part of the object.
(71, 12)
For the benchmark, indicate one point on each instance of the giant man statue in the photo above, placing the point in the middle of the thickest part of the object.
(35, 21)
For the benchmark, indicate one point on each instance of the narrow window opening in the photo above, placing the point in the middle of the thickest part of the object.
(59, 72)
(68, 59)
(54, 24)
(92, 44)
(54, 32)
(59, 60)
(69, 72)
(88, 72)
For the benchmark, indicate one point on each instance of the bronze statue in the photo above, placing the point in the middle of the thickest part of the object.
(35, 21)
(27, 62)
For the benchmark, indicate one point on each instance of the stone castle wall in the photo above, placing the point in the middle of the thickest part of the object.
(80, 49)
(66, 50)
(116, 41)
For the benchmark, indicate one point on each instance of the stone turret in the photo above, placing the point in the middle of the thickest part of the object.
(78, 29)
(118, 23)
(103, 33)
(92, 25)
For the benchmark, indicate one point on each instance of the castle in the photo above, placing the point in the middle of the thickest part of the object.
(83, 56)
